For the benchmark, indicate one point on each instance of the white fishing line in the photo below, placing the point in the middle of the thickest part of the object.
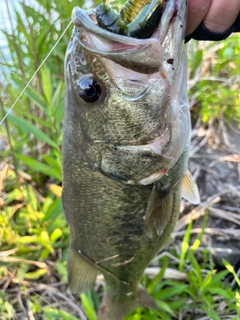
(25, 88)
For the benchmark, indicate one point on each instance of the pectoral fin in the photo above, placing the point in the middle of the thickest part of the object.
(190, 189)
(81, 275)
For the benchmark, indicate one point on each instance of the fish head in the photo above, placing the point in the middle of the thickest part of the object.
(126, 108)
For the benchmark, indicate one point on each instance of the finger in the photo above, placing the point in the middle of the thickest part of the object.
(221, 15)
(197, 11)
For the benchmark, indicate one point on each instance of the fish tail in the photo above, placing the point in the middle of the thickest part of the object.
(116, 309)
(81, 275)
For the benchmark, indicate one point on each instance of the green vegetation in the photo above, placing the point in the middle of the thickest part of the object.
(34, 236)
(214, 78)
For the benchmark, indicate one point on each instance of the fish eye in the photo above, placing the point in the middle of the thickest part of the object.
(89, 89)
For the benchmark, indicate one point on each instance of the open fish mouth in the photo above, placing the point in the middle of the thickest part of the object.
(125, 50)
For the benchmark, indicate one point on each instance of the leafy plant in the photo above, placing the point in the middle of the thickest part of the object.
(214, 78)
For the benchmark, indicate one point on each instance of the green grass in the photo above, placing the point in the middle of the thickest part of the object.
(215, 78)
(34, 236)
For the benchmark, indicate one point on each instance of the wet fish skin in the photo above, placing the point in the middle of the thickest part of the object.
(138, 127)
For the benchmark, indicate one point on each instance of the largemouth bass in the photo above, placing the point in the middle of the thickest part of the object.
(125, 153)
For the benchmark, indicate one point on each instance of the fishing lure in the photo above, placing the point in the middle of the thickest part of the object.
(137, 18)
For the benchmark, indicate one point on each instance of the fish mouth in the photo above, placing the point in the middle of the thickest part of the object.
(142, 55)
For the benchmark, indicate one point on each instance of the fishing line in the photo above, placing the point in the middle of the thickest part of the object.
(42, 63)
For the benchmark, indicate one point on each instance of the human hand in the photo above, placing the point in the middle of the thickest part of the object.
(212, 19)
